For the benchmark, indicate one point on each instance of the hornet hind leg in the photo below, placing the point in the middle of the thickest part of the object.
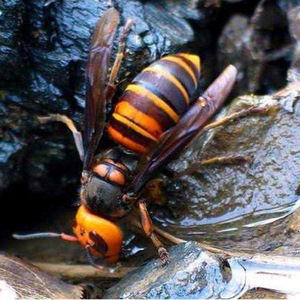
(117, 63)
(224, 159)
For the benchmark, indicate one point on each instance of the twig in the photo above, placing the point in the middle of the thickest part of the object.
(292, 87)
(81, 272)
(169, 237)
(175, 240)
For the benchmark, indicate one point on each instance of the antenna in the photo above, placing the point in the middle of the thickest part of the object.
(63, 236)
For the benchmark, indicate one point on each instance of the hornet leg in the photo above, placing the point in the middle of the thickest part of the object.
(70, 124)
(148, 229)
(120, 55)
(226, 160)
(90, 258)
(236, 115)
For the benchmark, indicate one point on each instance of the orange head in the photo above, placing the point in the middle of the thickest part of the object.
(100, 235)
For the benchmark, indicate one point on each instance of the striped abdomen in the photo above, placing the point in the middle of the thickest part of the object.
(154, 101)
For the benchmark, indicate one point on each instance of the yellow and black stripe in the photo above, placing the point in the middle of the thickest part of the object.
(155, 101)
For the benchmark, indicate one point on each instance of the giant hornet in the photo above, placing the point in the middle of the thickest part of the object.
(158, 115)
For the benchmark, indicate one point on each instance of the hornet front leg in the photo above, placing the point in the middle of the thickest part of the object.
(149, 231)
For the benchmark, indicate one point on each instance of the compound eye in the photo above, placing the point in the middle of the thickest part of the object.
(98, 242)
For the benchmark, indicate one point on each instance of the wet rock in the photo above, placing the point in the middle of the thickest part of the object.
(259, 46)
(197, 273)
(192, 273)
(232, 48)
(12, 142)
(12, 13)
(27, 157)
(263, 294)
(18, 280)
(162, 26)
(294, 26)
(56, 38)
(294, 222)
(230, 205)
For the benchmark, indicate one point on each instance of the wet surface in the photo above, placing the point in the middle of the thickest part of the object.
(227, 201)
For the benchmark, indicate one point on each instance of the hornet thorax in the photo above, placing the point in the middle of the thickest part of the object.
(103, 187)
